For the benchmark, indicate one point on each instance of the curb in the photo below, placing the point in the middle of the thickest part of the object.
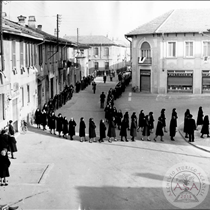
(190, 142)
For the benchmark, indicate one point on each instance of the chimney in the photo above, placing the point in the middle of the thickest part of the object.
(4, 14)
(39, 27)
(32, 21)
(21, 20)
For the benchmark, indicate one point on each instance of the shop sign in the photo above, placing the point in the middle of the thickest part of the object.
(145, 73)
(180, 74)
(206, 73)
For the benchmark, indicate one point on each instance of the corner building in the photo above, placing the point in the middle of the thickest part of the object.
(171, 54)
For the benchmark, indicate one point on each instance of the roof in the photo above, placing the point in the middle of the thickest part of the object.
(176, 21)
(91, 40)
(16, 28)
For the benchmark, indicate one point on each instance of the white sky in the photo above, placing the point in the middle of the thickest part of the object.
(115, 18)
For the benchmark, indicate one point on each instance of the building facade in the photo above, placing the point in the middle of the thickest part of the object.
(171, 53)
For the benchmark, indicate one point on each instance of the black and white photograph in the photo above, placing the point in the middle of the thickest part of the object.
(104, 105)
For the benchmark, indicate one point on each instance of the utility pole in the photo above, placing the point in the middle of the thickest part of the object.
(58, 25)
(1, 40)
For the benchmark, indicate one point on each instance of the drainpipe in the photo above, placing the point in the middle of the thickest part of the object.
(163, 59)
(130, 49)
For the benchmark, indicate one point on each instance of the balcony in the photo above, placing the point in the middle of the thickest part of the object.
(145, 60)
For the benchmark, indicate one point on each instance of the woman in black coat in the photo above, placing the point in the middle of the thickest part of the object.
(59, 122)
(162, 114)
(133, 130)
(159, 129)
(52, 122)
(151, 121)
(102, 131)
(111, 130)
(141, 120)
(205, 127)
(65, 127)
(200, 116)
(186, 119)
(173, 124)
(82, 128)
(92, 131)
(119, 118)
(38, 115)
(123, 129)
(44, 119)
(72, 125)
(11, 140)
(4, 167)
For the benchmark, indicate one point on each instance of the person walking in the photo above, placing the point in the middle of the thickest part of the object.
(159, 129)
(186, 118)
(94, 86)
(65, 127)
(151, 121)
(111, 130)
(123, 129)
(92, 132)
(52, 122)
(11, 139)
(102, 99)
(133, 129)
(205, 126)
(104, 77)
(72, 125)
(173, 124)
(192, 128)
(38, 115)
(102, 130)
(44, 119)
(141, 120)
(4, 167)
(162, 114)
(200, 116)
(82, 127)
(146, 128)
(59, 121)
(119, 118)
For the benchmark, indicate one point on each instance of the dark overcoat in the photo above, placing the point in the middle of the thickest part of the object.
(205, 127)
(65, 126)
(59, 122)
(52, 121)
(146, 128)
(44, 118)
(4, 166)
(124, 127)
(151, 121)
(133, 130)
(4, 141)
(102, 130)
(200, 117)
(92, 130)
(12, 141)
(72, 125)
(159, 128)
(192, 126)
(141, 120)
(186, 119)
(82, 127)
(172, 126)
(111, 129)
(163, 119)
(38, 116)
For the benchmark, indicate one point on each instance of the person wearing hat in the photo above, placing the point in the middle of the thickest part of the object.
(12, 141)
(92, 131)
(162, 114)
(72, 125)
(82, 127)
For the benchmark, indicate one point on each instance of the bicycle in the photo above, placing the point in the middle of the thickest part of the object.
(24, 127)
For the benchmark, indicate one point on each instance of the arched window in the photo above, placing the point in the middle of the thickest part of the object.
(145, 50)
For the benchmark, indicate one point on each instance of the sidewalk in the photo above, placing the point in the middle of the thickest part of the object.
(200, 143)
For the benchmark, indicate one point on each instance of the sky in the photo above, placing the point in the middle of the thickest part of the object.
(109, 18)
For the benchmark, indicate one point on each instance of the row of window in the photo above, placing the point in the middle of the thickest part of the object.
(31, 54)
(106, 65)
(96, 51)
(172, 49)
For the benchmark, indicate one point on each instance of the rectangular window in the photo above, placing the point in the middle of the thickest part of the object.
(96, 65)
(188, 49)
(206, 49)
(26, 54)
(96, 51)
(35, 54)
(2, 107)
(171, 49)
(28, 93)
(22, 93)
(106, 51)
(106, 65)
(40, 54)
(32, 54)
(13, 54)
(21, 55)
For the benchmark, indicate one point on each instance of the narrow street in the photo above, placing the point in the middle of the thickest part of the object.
(55, 173)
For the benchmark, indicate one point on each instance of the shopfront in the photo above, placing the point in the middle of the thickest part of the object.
(205, 81)
(145, 80)
(180, 81)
